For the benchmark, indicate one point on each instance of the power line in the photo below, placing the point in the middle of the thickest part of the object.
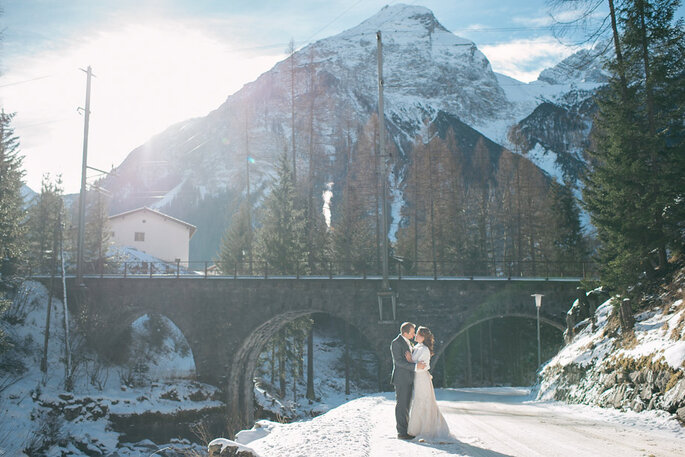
(331, 22)
(16, 83)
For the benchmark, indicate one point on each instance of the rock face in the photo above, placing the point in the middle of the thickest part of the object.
(636, 363)
(198, 165)
(636, 388)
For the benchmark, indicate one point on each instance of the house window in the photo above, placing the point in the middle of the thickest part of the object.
(139, 236)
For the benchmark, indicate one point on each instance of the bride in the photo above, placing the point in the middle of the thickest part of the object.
(425, 419)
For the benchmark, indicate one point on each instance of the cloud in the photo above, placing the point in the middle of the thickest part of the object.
(539, 21)
(524, 59)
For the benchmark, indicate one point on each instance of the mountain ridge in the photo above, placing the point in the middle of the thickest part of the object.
(427, 70)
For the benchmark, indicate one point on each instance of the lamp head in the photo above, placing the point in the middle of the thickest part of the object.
(538, 300)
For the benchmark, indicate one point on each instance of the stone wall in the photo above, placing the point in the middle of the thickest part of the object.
(637, 386)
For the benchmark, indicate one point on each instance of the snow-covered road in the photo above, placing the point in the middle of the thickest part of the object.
(498, 422)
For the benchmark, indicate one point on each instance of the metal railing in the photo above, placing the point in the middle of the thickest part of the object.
(398, 269)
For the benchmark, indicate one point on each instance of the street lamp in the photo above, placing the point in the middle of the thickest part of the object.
(538, 303)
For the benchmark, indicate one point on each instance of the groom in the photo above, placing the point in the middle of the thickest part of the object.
(403, 377)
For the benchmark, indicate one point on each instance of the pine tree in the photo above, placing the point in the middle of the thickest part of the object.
(280, 240)
(12, 214)
(44, 220)
(634, 185)
(568, 243)
(97, 232)
(236, 244)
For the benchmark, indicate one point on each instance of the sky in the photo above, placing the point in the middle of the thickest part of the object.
(158, 62)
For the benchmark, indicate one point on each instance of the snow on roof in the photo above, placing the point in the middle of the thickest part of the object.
(159, 213)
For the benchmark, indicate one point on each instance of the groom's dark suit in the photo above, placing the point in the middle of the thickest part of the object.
(403, 380)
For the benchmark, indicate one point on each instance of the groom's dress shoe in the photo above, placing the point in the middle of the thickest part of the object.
(406, 437)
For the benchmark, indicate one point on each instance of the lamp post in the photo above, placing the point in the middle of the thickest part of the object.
(538, 303)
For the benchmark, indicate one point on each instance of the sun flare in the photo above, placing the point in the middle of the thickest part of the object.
(147, 77)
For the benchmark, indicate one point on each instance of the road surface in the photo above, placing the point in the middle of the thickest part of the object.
(499, 422)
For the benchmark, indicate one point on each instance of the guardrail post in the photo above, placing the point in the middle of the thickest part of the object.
(178, 268)
(399, 271)
(124, 270)
(330, 270)
(266, 270)
(297, 269)
(235, 270)
(152, 265)
(206, 267)
(435, 270)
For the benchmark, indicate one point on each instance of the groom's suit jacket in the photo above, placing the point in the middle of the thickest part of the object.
(402, 371)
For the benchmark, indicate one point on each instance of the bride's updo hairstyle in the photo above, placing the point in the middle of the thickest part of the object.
(428, 339)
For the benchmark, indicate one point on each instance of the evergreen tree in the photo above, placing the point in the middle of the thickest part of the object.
(12, 230)
(97, 232)
(44, 222)
(236, 245)
(567, 237)
(635, 182)
(353, 238)
(280, 240)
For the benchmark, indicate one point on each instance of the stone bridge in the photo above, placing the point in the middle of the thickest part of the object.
(227, 321)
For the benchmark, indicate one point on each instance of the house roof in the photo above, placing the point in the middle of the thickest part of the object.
(159, 213)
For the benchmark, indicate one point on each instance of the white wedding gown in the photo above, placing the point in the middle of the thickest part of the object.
(425, 419)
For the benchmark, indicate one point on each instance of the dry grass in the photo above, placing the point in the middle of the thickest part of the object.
(673, 380)
(645, 362)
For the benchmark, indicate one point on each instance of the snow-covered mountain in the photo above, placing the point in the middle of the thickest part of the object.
(428, 72)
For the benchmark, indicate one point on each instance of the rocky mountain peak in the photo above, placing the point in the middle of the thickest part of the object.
(405, 17)
(585, 66)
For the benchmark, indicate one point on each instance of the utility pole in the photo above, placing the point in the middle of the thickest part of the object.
(249, 204)
(386, 291)
(291, 50)
(82, 198)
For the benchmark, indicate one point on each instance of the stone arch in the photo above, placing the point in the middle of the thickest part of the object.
(176, 329)
(239, 383)
(455, 335)
(124, 323)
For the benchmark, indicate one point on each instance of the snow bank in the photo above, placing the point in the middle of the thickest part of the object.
(637, 370)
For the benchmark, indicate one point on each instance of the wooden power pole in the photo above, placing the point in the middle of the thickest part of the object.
(385, 291)
(84, 166)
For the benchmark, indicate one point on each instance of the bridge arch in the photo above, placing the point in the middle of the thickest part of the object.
(445, 343)
(241, 373)
(160, 335)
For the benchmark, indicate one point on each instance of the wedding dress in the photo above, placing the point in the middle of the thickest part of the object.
(425, 419)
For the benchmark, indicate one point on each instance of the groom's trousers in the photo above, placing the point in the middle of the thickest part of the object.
(403, 399)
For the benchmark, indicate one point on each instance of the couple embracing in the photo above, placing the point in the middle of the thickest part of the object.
(416, 411)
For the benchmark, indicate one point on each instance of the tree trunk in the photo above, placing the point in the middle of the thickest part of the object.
(281, 362)
(310, 364)
(469, 372)
(619, 54)
(491, 354)
(347, 358)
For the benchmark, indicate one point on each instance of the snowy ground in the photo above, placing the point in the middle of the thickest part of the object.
(489, 422)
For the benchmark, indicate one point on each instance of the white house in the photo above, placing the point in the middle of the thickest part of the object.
(154, 233)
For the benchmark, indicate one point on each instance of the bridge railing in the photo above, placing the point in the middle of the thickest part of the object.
(398, 269)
